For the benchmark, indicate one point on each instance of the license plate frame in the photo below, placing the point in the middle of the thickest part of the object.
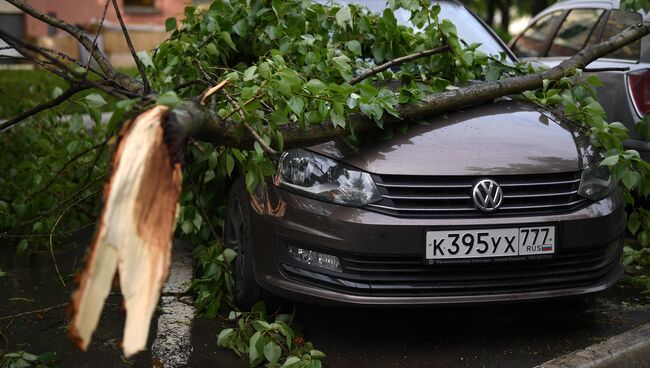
(541, 249)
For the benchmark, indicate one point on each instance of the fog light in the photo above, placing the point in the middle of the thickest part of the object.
(315, 259)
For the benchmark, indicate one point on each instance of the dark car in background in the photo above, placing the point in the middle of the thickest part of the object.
(498, 202)
(565, 28)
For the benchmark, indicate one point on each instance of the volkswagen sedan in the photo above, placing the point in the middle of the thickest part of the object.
(499, 202)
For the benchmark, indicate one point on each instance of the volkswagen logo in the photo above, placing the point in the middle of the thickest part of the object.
(487, 195)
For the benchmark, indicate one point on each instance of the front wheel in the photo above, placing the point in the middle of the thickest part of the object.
(246, 290)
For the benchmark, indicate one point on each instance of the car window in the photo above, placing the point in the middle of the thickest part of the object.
(532, 42)
(575, 31)
(468, 27)
(617, 22)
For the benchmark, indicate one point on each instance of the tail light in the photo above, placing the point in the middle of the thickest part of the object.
(638, 83)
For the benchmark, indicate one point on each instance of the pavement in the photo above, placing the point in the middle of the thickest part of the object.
(506, 335)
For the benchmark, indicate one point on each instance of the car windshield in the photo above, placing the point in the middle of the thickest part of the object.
(470, 30)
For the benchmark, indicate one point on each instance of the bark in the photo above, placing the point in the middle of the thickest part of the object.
(134, 234)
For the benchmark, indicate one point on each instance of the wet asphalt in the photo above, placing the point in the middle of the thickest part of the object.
(505, 335)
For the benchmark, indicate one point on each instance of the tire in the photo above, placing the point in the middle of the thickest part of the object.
(246, 290)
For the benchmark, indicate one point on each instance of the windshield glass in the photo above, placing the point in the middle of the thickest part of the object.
(469, 28)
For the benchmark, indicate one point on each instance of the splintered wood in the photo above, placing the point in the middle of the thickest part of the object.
(133, 236)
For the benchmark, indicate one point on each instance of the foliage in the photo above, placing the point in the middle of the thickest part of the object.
(577, 101)
(21, 359)
(215, 283)
(51, 168)
(292, 62)
(274, 344)
(24, 89)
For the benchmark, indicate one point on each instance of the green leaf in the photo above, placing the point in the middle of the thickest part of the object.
(95, 114)
(633, 223)
(145, 58)
(211, 48)
(249, 74)
(230, 164)
(76, 123)
(251, 181)
(225, 336)
(297, 105)
(631, 179)
(169, 98)
(187, 227)
(317, 354)
(272, 352)
(95, 100)
(170, 24)
(48, 358)
(229, 254)
(595, 81)
(354, 46)
(291, 362)
(225, 36)
(22, 246)
(344, 16)
(315, 86)
(610, 160)
(254, 350)
(337, 120)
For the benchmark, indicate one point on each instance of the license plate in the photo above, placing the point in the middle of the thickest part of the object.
(485, 243)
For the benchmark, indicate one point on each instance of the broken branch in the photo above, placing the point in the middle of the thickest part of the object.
(397, 61)
(44, 106)
(138, 63)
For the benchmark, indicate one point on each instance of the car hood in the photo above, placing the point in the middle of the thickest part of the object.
(502, 138)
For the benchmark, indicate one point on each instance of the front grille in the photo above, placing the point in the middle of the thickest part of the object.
(445, 196)
(409, 275)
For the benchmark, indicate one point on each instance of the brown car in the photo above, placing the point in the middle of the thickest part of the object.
(498, 202)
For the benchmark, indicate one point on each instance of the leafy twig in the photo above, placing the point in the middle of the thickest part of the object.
(44, 310)
(398, 61)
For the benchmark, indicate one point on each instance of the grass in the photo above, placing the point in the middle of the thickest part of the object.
(21, 90)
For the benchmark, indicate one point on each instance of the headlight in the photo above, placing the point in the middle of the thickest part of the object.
(323, 178)
(596, 182)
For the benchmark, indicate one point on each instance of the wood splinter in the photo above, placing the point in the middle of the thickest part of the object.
(134, 234)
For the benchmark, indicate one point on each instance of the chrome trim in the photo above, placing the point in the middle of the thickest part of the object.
(539, 195)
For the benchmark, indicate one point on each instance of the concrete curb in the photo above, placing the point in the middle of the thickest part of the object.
(173, 344)
(630, 349)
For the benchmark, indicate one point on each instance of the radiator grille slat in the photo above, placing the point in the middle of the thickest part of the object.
(440, 196)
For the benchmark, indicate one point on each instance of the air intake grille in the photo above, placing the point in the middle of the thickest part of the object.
(408, 275)
(445, 196)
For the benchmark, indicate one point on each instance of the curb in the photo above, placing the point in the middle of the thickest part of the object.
(630, 349)
(173, 344)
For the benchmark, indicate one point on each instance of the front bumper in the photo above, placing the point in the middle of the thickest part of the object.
(382, 256)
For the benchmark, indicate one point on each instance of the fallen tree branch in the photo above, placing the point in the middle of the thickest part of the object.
(99, 29)
(398, 61)
(73, 31)
(251, 130)
(138, 62)
(207, 126)
(44, 106)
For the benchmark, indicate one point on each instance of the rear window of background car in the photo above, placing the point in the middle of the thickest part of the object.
(576, 29)
(617, 22)
(532, 42)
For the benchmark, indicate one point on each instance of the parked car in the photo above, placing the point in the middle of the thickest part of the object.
(567, 27)
(498, 202)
